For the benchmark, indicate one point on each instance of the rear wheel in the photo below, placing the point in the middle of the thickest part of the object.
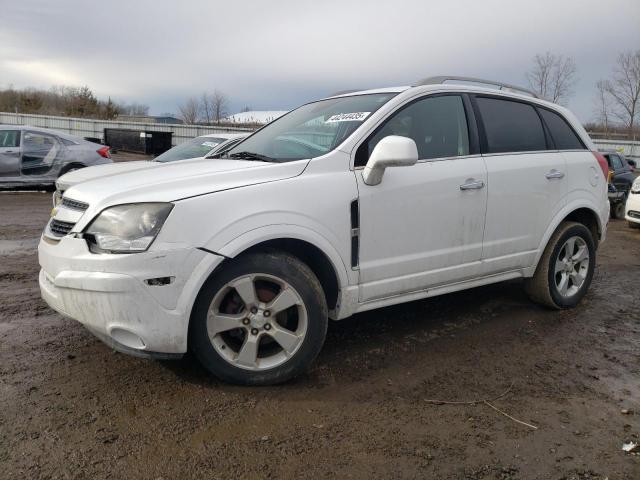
(566, 268)
(261, 320)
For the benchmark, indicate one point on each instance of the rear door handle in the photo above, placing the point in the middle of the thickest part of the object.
(472, 184)
(554, 174)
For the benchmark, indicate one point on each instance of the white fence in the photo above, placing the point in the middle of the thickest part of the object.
(626, 147)
(83, 127)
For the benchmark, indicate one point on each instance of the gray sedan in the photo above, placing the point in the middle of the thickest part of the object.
(37, 156)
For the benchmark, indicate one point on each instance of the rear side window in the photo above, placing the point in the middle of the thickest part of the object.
(9, 138)
(511, 126)
(614, 162)
(563, 135)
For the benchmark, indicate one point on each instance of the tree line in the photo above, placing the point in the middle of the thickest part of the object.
(206, 109)
(617, 97)
(66, 101)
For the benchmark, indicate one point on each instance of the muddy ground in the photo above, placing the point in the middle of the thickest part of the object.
(72, 408)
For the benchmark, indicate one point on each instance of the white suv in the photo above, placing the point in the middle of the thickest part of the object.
(243, 259)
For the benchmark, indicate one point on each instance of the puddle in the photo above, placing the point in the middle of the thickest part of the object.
(10, 247)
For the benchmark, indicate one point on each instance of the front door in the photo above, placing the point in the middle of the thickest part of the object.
(9, 153)
(423, 225)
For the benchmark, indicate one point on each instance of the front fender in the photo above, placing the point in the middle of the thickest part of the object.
(287, 231)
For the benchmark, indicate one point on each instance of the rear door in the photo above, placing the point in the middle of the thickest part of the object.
(527, 182)
(40, 152)
(9, 153)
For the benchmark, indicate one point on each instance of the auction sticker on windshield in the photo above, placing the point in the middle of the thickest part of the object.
(348, 117)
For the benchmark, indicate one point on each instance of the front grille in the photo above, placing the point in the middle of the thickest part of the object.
(633, 213)
(74, 204)
(60, 228)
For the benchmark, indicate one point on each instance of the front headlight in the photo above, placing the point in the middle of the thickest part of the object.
(635, 187)
(127, 228)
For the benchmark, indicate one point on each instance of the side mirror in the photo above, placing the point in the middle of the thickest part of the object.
(391, 151)
(632, 164)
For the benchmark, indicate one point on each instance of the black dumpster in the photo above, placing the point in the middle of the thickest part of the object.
(136, 141)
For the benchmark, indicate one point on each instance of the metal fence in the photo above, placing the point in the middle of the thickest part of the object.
(626, 147)
(84, 127)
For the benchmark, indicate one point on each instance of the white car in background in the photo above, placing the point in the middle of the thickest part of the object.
(632, 207)
(201, 147)
(346, 204)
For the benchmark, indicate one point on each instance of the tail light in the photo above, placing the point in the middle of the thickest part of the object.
(104, 152)
(603, 164)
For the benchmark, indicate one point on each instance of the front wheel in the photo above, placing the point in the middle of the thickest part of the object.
(261, 320)
(566, 268)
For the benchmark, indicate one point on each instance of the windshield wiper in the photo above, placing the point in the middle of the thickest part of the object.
(251, 156)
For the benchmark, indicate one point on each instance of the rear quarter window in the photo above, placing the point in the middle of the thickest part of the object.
(563, 135)
(511, 126)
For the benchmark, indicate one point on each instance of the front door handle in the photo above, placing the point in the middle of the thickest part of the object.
(554, 174)
(472, 184)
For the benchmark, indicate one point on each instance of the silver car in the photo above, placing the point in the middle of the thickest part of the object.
(38, 156)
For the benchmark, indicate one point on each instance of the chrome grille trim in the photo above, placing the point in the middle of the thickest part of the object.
(74, 204)
(58, 228)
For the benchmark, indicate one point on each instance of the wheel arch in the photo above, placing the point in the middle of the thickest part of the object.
(303, 243)
(581, 213)
(69, 166)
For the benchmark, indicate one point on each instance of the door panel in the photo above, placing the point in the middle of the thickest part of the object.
(40, 152)
(527, 190)
(419, 229)
(9, 153)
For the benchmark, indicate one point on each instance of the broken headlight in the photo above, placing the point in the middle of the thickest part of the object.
(128, 228)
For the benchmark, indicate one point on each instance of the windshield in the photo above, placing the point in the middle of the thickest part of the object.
(198, 147)
(311, 130)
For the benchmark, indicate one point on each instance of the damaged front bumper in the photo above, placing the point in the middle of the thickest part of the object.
(136, 303)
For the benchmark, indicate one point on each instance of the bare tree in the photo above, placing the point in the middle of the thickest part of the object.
(189, 111)
(602, 105)
(552, 76)
(624, 88)
(207, 108)
(220, 105)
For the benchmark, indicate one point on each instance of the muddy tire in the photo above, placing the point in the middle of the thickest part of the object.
(260, 320)
(617, 211)
(566, 268)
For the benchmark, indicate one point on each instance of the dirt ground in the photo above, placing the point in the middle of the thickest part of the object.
(70, 408)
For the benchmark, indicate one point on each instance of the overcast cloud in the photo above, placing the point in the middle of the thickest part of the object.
(278, 54)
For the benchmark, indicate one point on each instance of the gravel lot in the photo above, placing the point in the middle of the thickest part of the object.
(72, 408)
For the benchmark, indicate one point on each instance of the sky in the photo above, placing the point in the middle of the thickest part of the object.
(278, 54)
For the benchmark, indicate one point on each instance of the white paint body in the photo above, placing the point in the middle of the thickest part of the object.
(632, 207)
(420, 234)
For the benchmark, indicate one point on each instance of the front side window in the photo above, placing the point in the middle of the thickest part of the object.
(511, 126)
(311, 130)
(438, 125)
(9, 138)
(563, 135)
(197, 147)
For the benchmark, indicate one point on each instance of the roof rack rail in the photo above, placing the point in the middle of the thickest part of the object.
(500, 85)
(344, 92)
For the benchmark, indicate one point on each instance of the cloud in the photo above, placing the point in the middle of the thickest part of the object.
(275, 55)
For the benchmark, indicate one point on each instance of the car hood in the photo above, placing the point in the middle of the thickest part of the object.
(100, 171)
(168, 182)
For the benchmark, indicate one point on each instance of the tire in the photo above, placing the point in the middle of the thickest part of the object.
(618, 210)
(546, 285)
(232, 319)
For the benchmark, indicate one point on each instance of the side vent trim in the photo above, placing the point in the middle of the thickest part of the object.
(355, 234)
